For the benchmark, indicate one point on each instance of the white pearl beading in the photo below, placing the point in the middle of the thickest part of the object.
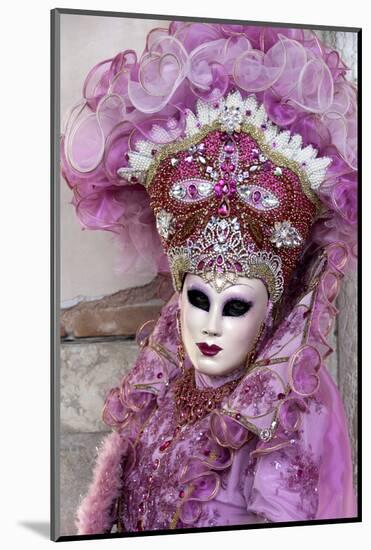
(206, 113)
(281, 141)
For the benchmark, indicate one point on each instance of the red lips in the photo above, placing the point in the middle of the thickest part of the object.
(208, 350)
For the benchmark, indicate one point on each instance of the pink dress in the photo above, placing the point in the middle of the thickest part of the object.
(277, 449)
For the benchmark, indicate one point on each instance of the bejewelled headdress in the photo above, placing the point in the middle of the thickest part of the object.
(234, 197)
(222, 151)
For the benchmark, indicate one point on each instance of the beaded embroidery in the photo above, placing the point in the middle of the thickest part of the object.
(193, 403)
(220, 256)
(234, 181)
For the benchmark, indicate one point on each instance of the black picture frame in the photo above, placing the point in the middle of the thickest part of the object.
(55, 116)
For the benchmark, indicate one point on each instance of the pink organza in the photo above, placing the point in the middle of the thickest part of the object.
(336, 493)
(301, 81)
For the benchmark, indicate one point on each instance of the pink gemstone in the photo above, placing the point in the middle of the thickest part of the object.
(181, 494)
(231, 167)
(223, 209)
(238, 416)
(218, 190)
(225, 188)
(165, 445)
(229, 147)
(192, 190)
(225, 165)
(219, 260)
(256, 196)
(160, 375)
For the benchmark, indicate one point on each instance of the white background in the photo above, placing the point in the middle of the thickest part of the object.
(25, 320)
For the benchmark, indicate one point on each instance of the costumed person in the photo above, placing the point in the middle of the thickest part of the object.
(226, 155)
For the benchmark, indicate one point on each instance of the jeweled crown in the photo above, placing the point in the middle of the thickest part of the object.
(235, 196)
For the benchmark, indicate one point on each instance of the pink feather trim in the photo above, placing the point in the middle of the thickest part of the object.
(95, 514)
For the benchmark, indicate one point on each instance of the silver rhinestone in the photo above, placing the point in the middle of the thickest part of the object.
(245, 190)
(278, 171)
(178, 191)
(204, 188)
(265, 434)
(269, 201)
(174, 161)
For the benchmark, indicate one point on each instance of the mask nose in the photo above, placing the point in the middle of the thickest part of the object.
(213, 325)
(209, 332)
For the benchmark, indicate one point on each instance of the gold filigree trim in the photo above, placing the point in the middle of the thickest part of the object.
(268, 362)
(262, 271)
(181, 264)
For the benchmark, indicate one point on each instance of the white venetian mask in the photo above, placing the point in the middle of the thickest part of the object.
(219, 328)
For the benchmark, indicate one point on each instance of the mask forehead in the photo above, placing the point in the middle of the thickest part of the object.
(243, 285)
